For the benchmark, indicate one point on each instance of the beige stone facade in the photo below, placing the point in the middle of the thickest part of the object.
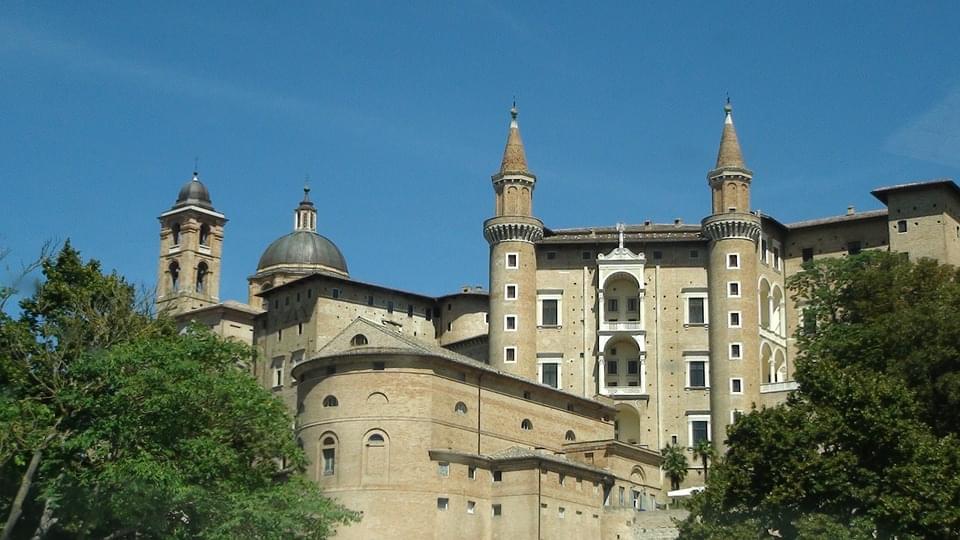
(536, 408)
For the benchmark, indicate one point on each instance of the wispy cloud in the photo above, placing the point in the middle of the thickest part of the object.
(115, 67)
(83, 58)
(934, 135)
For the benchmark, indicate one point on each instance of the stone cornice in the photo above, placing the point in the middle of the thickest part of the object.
(729, 172)
(732, 225)
(515, 177)
(513, 228)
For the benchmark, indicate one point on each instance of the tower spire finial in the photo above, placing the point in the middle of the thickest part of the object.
(729, 154)
(514, 155)
(306, 187)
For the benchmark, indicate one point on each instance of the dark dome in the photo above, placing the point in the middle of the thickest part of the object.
(303, 248)
(194, 193)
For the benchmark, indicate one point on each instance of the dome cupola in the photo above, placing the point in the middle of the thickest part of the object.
(194, 193)
(304, 249)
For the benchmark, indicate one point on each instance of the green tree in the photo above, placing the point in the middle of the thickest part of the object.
(674, 464)
(868, 445)
(117, 426)
(705, 452)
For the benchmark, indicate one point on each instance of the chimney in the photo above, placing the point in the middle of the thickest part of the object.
(850, 210)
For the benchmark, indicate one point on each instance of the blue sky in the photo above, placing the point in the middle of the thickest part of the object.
(398, 114)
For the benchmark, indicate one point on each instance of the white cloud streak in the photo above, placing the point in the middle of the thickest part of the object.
(933, 136)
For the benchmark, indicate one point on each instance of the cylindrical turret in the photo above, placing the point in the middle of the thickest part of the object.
(734, 339)
(512, 235)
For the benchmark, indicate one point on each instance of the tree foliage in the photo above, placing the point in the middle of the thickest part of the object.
(674, 464)
(112, 424)
(868, 445)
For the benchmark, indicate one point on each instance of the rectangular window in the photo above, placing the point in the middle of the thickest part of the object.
(622, 498)
(509, 354)
(277, 370)
(409, 310)
(806, 255)
(694, 254)
(699, 429)
(510, 292)
(549, 372)
(443, 503)
(696, 310)
(549, 312)
(697, 374)
(853, 248)
(335, 293)
(443, 468)
(471, 507)
(735, 415)
(734, 319)
(497, 510)
(613, 305)
(902, 226)
(733, 261)
(390, 306)
(776, 258)
(763, 251)
(736, 351)
(472, 473)
(379, 366)
(612, 367)
(299, 329)
(633, 367)
(369, 299)
(279, 334)
(497, 476)
(733, 289)
(428, 314)
(329, 461)
(632, 304)
(449, 326)
(513, 260)
(736, 386)
(510, 322)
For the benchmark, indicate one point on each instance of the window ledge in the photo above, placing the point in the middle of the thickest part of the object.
(557, 326)
(696, 388)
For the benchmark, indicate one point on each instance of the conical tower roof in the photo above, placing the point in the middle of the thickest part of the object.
(514, 156)
(730, 156)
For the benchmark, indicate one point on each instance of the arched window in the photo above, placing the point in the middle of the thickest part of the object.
(460, 408)
(378, 398)
(204, 235)
(358, 340)
(330, 401)
(570, 436)
(201, 276)
(526, 425)
(174, 269)
(328, 451)
(175, 233)
(376, 458)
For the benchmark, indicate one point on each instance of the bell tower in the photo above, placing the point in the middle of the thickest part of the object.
(191, 244)
(512, 234)
(733, 232)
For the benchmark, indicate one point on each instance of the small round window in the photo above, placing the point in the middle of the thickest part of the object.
(460, 408)
(330, 401)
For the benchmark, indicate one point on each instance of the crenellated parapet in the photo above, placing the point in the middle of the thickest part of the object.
(740, 225)
(513, 228)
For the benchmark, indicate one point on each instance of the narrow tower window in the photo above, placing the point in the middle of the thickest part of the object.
(329, 456)
(202, 272)
(204, 235)
(174, 276)
(175, 231)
